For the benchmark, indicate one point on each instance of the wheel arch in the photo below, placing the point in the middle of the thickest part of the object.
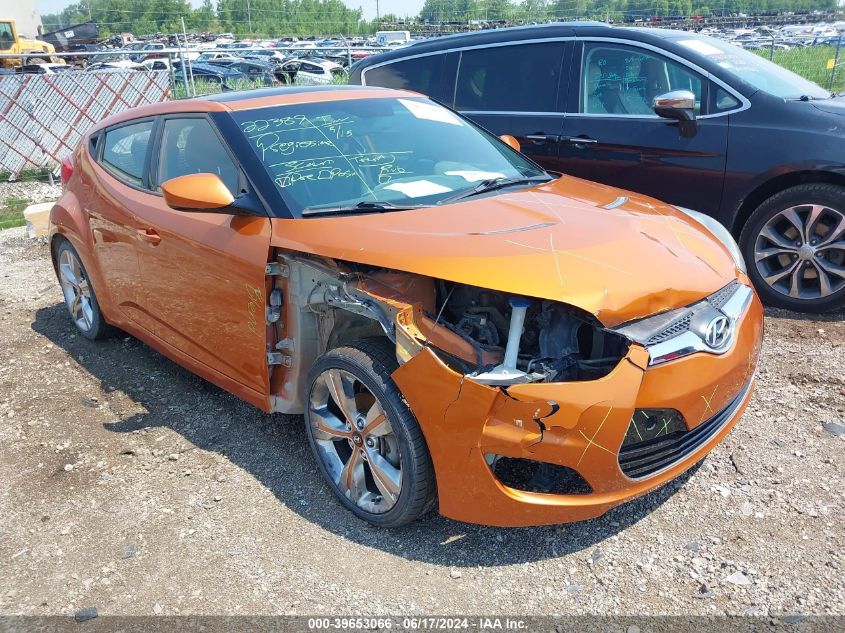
(776, 184)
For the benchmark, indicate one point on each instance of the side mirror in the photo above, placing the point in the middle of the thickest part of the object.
(680, 106)
(507, 139)
(198, 192)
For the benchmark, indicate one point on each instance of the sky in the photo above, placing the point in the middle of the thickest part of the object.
(398, 7)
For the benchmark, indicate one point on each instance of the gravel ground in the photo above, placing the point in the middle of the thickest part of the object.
(32, 191)
(132, 486)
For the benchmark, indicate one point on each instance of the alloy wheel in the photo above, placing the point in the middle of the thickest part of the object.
(355, 441)
(800, 251)
(76, 290)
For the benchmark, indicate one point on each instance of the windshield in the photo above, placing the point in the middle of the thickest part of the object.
(403, 152)
(757, 71)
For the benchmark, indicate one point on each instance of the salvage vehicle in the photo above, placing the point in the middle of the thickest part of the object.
(687, 118)
(311, 71)
(461, 329)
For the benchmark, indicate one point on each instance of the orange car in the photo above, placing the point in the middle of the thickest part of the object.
(461, 329)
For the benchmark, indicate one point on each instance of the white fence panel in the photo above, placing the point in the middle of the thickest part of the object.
(43, 117)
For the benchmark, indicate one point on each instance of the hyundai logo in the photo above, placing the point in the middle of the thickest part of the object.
(718, 332)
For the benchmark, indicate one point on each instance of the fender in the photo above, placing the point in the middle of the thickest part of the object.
(741, 198)
(67, 220)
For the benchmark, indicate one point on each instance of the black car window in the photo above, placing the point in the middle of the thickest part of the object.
(518, 78)
(723, 100)
(421, 74)
(125, 151)
(618, 79)
(190, 146)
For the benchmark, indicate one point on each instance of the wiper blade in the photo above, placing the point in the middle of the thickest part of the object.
(492, 184)
(364, 205)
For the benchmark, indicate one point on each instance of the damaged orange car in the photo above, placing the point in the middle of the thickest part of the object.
(462, 330)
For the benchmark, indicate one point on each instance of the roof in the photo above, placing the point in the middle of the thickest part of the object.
(259, 98)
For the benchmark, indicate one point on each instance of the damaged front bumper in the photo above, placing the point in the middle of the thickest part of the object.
(580, 426)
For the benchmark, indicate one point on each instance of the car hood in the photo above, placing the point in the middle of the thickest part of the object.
(615, 254)
(832, 106)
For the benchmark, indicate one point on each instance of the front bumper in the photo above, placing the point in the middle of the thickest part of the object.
(579, 425)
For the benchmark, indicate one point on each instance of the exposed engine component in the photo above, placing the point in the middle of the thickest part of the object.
(557, 343)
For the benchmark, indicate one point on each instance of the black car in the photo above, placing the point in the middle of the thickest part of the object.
(689, 119)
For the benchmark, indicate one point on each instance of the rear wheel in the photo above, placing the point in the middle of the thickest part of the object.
(79, 295)
(794, 244)
(366, 440)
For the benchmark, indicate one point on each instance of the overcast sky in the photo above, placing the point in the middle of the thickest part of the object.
(399, 7)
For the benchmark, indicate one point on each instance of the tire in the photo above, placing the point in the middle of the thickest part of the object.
(78, 292)
(794, 246)
(347, 453)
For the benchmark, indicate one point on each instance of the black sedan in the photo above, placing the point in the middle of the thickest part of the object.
(689, 119)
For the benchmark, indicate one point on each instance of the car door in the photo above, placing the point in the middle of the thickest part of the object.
(518, 89)
(203, 272)
(613, 136)
(120, 155)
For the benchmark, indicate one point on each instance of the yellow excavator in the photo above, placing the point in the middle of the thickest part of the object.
(12, 43)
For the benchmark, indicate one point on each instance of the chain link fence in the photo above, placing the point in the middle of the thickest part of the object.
(819, 62)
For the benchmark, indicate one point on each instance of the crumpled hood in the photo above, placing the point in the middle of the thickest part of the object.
(555, 241)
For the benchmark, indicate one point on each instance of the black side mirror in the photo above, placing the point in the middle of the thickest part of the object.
(680, 106)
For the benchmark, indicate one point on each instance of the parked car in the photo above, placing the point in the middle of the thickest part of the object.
(266, 55)
(310, 71)
(686, 118)
(116, 65)
(460, 328)
(226, 78)
(255, 70)
(46, 69)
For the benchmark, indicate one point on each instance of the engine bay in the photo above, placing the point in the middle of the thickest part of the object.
(556, 343)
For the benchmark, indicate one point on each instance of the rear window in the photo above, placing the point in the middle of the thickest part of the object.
(125, 151)
(519, 78)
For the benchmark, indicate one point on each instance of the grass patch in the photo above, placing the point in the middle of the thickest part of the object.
(11, 212)
(811, 63)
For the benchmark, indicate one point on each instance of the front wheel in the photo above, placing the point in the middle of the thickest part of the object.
(794, 244)
(367, 442)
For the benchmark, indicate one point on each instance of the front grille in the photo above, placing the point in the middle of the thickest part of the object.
(674, 329)
(682, 323)
(720, 297)
(644, 459)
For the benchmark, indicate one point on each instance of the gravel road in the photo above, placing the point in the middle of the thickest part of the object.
(134, 487)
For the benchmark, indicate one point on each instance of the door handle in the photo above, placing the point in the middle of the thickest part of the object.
(540, 138)
(578, 140)
(149, 235)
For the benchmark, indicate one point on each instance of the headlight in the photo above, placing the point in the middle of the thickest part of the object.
(720, 233)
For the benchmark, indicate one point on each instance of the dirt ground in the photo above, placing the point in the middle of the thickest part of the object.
(129, 485)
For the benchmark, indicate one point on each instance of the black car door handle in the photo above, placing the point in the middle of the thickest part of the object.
(543, 138)
(578, 140)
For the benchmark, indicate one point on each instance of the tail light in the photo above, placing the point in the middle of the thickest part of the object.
(67, 170)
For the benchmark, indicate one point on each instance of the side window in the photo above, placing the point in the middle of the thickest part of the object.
(618, 79)
(190, 146)
(519, 78)
(723, 101)
(7, 38)
(125, 151)
(421, 74)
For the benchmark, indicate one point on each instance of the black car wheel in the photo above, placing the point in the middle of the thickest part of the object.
(367, 442)
(794, 245)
